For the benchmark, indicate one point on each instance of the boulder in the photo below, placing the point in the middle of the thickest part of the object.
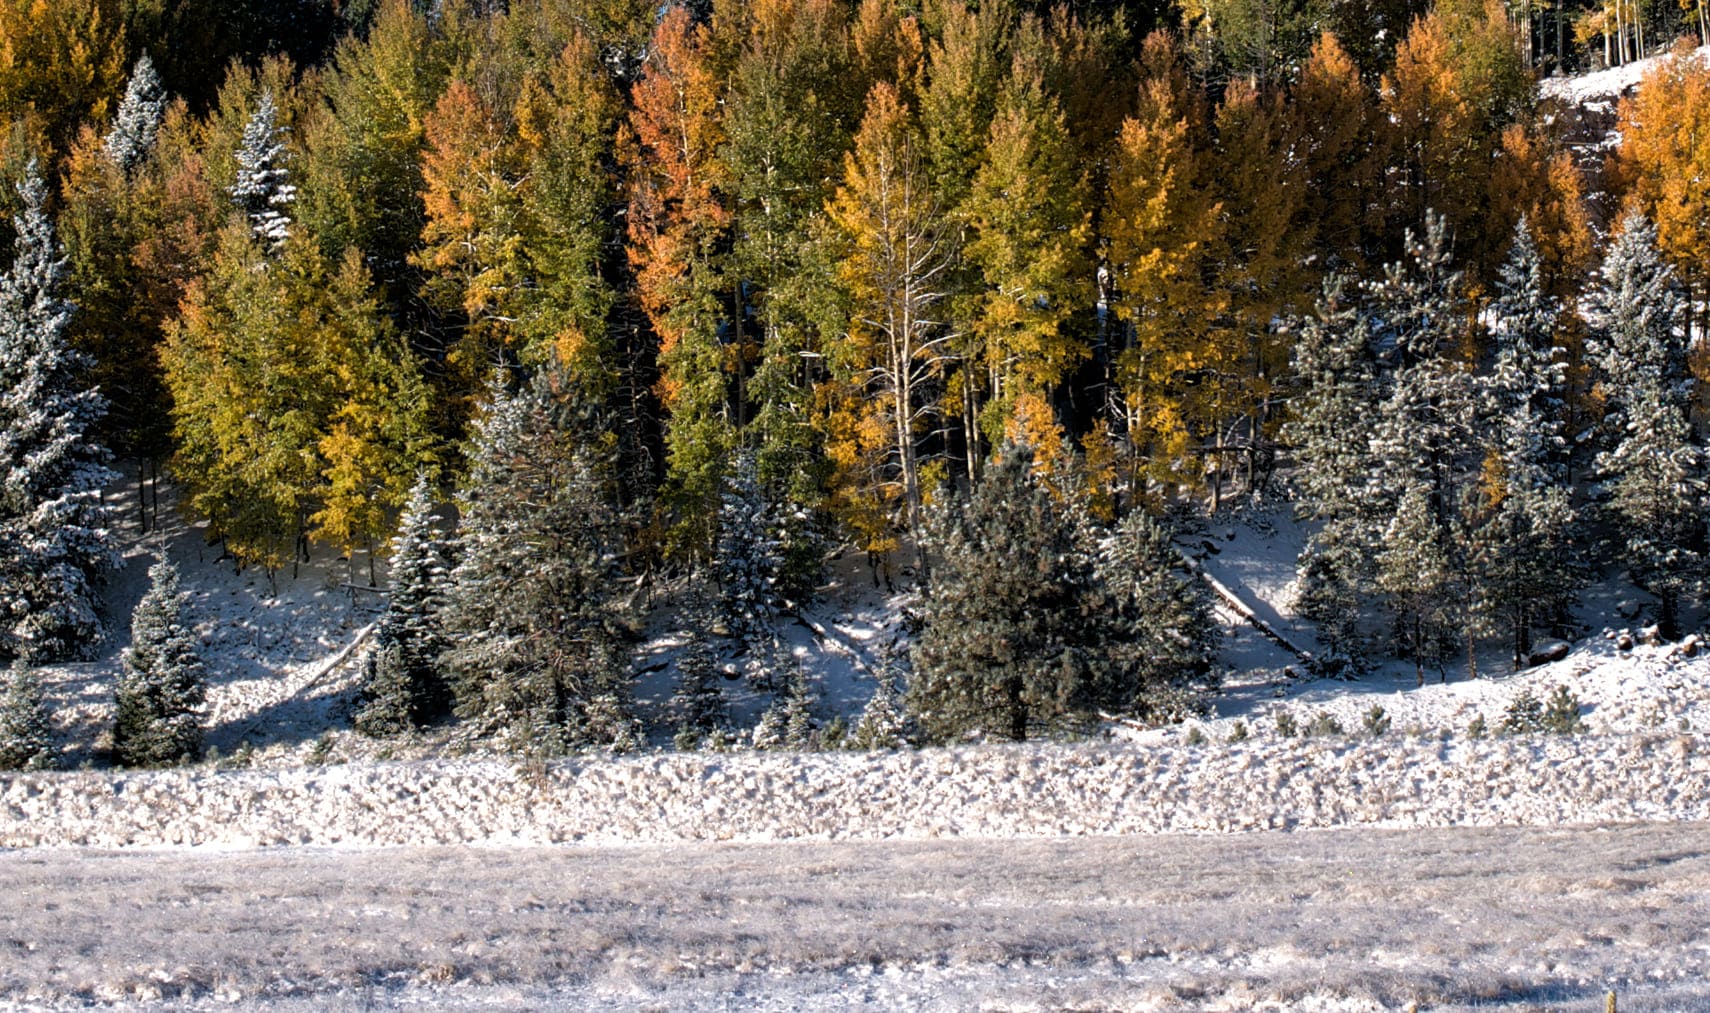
(1546, 651)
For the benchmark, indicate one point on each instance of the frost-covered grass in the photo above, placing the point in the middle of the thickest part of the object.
(1352, 920)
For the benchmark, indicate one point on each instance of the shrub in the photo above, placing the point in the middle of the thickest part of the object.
(1376, 722)
(1561, 713)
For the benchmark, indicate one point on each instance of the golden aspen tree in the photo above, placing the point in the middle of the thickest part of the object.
(470, 245)
(892, 255)
(1265, 240)
(677, 224)
(888, 46)
(1338, 136)
(1029, 229)
(63, 63)
(1161, 226)
(1664, 163)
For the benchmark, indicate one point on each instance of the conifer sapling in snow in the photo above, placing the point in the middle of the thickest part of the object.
(402, 686)
(52, 522)
(748, 556)
(26, 742)
(881, 722)
(163, 683)
(697, 704)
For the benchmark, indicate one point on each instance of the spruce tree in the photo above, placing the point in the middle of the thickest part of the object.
(697, 705)
(1155, 624)
(1336, 378)
(1424, 450)
(26, 741)
(881, 725)
(531, 616)
(262, 189)
(748, 559)
(1523, 522)
(52, 520)
(1654, 473)
(131, 137)
(163, 683)
(402, 686)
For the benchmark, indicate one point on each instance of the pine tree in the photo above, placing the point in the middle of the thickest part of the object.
(131, 138)
(1424, 446)
(881, 725)
(262, 189)
(697, 704)
(1522, 546)
(51, 516)
(1655, 473)
(748, 558)
(1156, 625)
(163, 684)
(534, 629)
(26, 739)
(1336, 377)
(402, 686)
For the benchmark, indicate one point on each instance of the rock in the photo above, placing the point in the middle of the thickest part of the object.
(1212, 547)
(1229, 534)
(1624, 642)
(1691, 645)
(1651, 636)
(1629, 609)
(1546, 651)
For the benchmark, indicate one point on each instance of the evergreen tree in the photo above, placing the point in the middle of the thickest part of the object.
(881, 724)
(131, 138)
(1654, 472)
(1522, 547)
(402, 687)
(262, 189)
(1156, 624)
(1424, 448)
(1336, 378)
(164, 682)
(534, 629)
(26, 740)
(51, 516)
(697, 704)
(1030, 623)
(748, 558)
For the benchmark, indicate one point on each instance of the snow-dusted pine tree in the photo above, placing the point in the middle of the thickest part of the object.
(1155, 622)
(697, 705)
(1522, 523)
(402, 686)
(26, 742)
(748, 555)
(532, 619)
(163, 683)
(881, 725)
(134, 129)
(52, 521)
(1655, 474)
(1424, 450)
(1336, 376)
(262, 189)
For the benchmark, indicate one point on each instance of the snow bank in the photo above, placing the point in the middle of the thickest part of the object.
(1610, 83)
(1022, 791)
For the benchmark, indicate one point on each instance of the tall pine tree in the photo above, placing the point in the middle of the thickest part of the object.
(163, 683)
(52, 520)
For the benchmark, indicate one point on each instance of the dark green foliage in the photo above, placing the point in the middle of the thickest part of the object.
(534, 626)
(1030, 622)
(164, 682)
(1324, 724)
(697, 705)
(748, 560)
(1286, 726)
(1375, 722)
(1524, 714)
(26, 743)
(881, 725)
(1561, 713)
(402, 686)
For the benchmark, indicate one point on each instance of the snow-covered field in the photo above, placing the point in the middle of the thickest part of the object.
(1339, 922)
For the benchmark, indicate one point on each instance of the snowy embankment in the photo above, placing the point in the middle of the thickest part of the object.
(970, 792)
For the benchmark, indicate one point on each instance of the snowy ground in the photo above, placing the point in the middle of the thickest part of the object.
(1341, 922)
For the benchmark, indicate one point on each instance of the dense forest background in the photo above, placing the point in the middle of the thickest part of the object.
(616, 262)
